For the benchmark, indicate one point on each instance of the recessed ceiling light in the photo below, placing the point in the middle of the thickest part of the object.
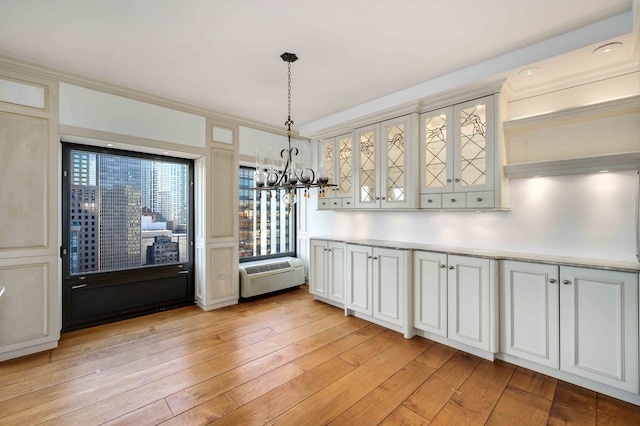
(110, 144)
(607, 48)
(529, 71)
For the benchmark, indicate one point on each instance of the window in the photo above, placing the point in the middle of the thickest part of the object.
(267, 225)
(138, 207)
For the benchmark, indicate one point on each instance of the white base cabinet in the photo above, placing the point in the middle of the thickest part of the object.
(326, 277)
(472, 302)
(599, 326)
(457, 297)
(430, 292)
(529, 314)
(581, 321)
(378, 286)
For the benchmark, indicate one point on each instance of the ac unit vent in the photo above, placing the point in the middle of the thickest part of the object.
(265, 276)
(267, 267)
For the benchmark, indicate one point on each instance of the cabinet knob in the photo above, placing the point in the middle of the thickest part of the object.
(448, 180)
(566, 282)
(377, 198)
(442, 265)
(328, 249)
(457, 180)
(478, 199)
(453, 200)
(368, 257)
(451, 267)
(429, 201)
(384, 198)
(325, 249)
(375, 258)
(552, 280)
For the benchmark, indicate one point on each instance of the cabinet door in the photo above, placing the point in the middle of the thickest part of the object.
(530, 318)
(436, 152)
(344, 169)
(430, 292)
(396, 163)
(474, 142)
(470, 295)
(327, 167)
(335, 271)
(599, 326)
(359, 278)
(318, 268)
(388, 285)
(365, 166)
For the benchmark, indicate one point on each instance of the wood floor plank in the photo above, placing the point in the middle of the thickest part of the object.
(438, 389)
(518, 407)
(278, 401)
(573, 405)
(214, 386)
(383, 400)
(281, 359)
(405, 417)
(476, 398)
(535, 383)
(149, 415)
(107, 382)
(613, 412)
(253, 389)
(336, 398)
(146, 392)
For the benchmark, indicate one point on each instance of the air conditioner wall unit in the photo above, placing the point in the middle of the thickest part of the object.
(264, 276)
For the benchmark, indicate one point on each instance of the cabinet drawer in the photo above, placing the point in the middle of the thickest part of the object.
(454, 201)
(347, 203)
(480, 199)
(324, 203)
(336, 203)
(431, 201)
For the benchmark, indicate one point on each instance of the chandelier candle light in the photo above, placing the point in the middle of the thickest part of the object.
(290, 172)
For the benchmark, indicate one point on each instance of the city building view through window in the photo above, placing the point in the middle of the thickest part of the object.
(126, 212)
(267, 225)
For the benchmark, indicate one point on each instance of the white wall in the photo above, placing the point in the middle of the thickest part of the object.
(590, 215)
(90, 109)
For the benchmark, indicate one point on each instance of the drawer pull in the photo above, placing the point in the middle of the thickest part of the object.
(566, 282)
(479, 199)
(552, 281)
(453, 200)
(429, 201)
(451, 267)
(442, 265)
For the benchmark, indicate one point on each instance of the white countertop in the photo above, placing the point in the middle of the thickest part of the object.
(613, 265)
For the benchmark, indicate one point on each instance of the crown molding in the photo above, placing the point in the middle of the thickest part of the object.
(34, 69)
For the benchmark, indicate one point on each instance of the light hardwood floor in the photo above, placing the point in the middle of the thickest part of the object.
(283, 359)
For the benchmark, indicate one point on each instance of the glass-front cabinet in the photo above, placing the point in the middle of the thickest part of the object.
(336, 162)
(458, 152)
(384, 166)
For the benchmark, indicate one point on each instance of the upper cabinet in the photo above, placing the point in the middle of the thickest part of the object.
(461, 156)
(336, 162)
(384, 164)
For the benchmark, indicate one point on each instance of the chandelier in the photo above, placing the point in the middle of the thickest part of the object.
(291, 171)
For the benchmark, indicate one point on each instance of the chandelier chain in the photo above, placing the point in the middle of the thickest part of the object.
(289, 122)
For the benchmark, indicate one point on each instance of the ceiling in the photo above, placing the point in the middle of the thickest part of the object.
(224, 55)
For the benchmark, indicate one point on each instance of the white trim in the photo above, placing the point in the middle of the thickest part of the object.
(573, 166)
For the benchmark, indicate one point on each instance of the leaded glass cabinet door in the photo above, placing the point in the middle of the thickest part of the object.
(344, 169)
(327, 164)
(396, 178)
(474, 144)
(366, 160)
(436, 151)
